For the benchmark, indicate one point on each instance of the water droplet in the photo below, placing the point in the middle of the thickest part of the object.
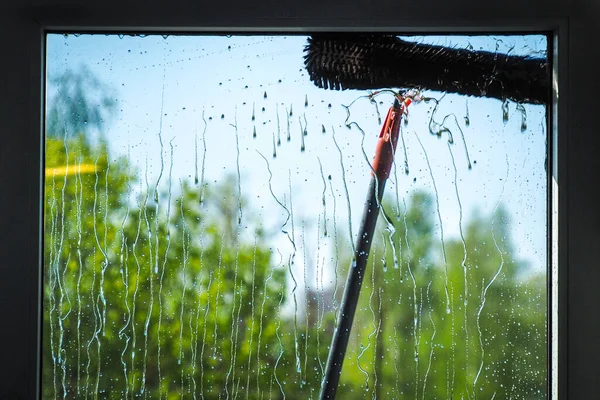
(505, 111)
(265, 95)
(323, 128)
(305, 100)
(254, 133)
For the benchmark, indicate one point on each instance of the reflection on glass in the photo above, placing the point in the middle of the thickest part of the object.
(202, 201)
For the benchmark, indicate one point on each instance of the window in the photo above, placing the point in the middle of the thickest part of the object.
(198, 246)
(27, 233)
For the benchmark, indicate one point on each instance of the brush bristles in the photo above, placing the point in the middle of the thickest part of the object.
(370, 61)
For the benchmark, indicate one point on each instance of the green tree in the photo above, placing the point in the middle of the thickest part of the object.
(471, 327)
(78, 103)
(159, 290)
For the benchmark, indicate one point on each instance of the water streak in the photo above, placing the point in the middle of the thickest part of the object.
(78, 227)
(346, 189)
(323, 197)
(486, 287)
(439, 214)
(260, 328)
(337, 256)
(124, 267)
(141, 210)
(432, 343)
(280, 345)
(252, 313)
(290, 264)
(163, 267)
(185, 244)
(463, 262)
(202, 183)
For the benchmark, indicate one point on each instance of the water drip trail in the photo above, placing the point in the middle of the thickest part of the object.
(278, 125)
(290, 264)
(60, 361)
(210, 281)
(237, 163)
(98, 321)
(252, 313)
(437, 203)
(78, 227)
(62, 317)
(323, 196)
(346, 189)
(219, 273)
(374, 323)
(432, 345)
(164, 265)
(194, 329)
(418, 343)
(141, 208)
(196, 180)
(156, 255)
(52, 282)
(260, 328)
(280, 345)
(375, 361)
(302, 134)
(397, 256)
(486, 287)
(397, 379)
(64, 292)
(124, 267)
(202, 183)
(104, 250)
(463, 262)
(320, 315)
(235, 321)
(185, 239)
(288, 115)
(438, 129)
(415, 301)
(523, 112)
(306, 304)
(337, 257)
(151, 267)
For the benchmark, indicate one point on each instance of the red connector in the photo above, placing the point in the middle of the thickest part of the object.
(388, 139)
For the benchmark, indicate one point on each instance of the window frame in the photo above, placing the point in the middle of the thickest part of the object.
(572, 216)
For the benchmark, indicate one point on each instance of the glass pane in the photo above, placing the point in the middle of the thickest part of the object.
(203, 201)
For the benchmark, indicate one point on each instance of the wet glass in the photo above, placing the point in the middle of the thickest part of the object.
(202, 205)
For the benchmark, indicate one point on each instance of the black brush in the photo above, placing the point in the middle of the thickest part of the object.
(375, 61)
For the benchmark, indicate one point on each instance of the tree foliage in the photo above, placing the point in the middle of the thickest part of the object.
(157, 291)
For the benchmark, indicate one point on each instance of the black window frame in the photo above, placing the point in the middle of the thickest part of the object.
(574, 217)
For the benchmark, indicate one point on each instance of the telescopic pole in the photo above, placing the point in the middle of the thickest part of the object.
(382, 164)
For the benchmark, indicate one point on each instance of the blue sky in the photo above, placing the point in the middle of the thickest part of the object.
(226, 79)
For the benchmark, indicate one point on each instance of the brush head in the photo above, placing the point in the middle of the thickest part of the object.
(376, 61)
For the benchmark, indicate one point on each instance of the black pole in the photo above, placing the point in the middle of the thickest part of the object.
(384, 156)
(352, 291)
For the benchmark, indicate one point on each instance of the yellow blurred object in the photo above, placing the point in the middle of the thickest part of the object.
(71, 170)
